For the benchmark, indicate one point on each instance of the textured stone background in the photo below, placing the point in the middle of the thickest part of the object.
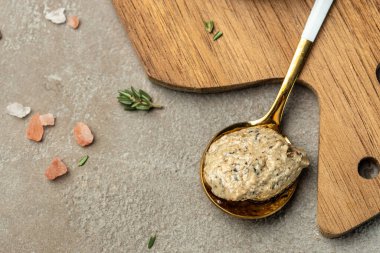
(142, 175)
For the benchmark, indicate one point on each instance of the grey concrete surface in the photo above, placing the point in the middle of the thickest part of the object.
(142, 175)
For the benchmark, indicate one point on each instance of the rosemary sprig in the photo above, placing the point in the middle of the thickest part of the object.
(209, 26)
(136, 100)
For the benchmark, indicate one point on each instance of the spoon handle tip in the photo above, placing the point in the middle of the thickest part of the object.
(316, 18)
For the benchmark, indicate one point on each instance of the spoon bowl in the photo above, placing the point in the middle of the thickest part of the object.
(247, 209)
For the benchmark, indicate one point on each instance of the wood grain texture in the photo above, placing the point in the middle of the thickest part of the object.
(259, 40)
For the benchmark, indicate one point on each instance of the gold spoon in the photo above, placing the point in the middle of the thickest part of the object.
(250, 209)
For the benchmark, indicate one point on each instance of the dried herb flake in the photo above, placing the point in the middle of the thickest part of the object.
(151, 241)
(218, 35)
(83, 160)
(209, 26)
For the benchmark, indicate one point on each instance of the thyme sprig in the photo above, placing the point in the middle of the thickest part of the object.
(133, 100)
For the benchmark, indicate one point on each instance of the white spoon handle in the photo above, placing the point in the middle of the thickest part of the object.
(316, 18)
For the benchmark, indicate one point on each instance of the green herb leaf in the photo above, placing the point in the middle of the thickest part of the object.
(151, 241)
(125, 102)
(83, 160)
(134, 92)
(126, 93)
(145, 95)
(143, 107)
(135, 104)
(128, 108)
(218, 35)
(209, 26)
(136, 100)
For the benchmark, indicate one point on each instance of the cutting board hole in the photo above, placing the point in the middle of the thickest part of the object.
(368, 168)
(378, 72)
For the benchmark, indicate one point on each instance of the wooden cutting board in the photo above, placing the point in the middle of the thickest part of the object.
(259, 40)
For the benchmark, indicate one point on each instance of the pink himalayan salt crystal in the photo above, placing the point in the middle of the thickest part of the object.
(73, 22)
(35, 130)
(47, 119)
(56, 169)
(83, 134)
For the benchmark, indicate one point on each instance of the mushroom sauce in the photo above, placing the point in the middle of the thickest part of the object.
(254, 163)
